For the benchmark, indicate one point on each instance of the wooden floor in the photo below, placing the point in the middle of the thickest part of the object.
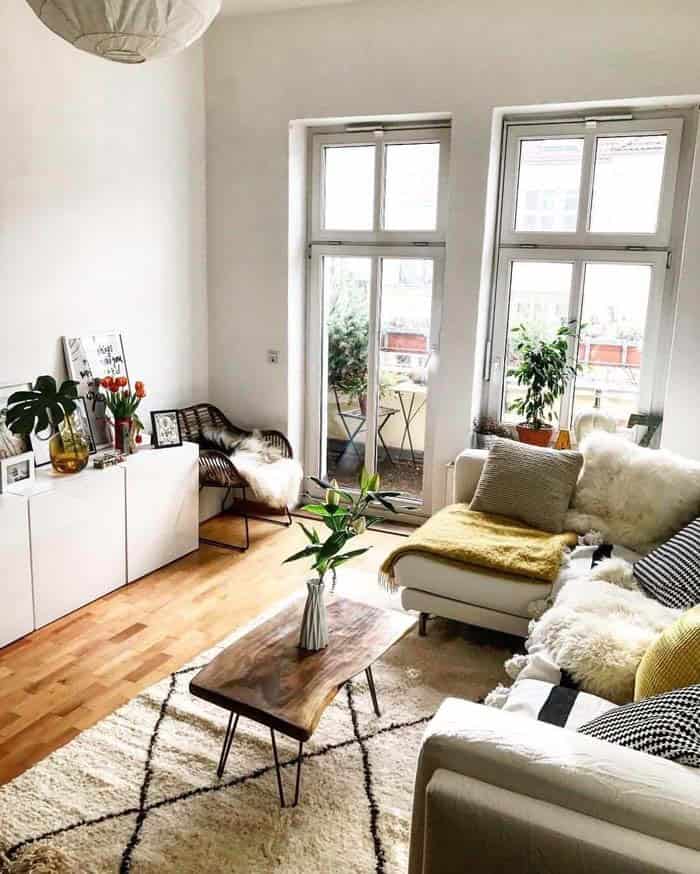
(63, 678)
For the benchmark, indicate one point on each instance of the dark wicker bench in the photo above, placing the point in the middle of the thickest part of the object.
(216, 469)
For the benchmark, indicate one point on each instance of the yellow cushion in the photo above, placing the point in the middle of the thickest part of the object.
(673, 660)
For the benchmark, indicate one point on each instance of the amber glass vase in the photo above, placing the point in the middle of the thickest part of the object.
(69, 448)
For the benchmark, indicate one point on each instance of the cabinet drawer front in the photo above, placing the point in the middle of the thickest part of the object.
(162, 493)
(16, 607)
(78, 542)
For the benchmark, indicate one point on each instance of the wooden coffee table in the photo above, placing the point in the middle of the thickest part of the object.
(265, 677)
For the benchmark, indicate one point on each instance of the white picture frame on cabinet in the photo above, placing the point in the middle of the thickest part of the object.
(17, 473)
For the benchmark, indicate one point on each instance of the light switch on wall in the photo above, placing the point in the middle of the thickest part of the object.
(273, 356)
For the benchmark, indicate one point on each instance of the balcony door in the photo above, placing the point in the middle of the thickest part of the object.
(374, 307)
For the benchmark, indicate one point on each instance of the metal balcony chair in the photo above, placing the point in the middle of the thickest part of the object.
(216, 469)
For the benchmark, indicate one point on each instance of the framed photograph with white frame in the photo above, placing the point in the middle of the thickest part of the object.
(91, 357)
(11, 444)
(17, 473)
(166, 429)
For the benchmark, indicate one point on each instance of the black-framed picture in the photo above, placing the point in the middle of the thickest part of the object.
(165, 429)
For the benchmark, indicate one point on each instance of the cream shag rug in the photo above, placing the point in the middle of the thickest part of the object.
(138, 791)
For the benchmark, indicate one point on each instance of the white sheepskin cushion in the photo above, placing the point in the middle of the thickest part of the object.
(598, 632)
(636, 497)
(276, 484)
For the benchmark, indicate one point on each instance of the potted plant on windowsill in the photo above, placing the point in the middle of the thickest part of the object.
(544, 369)
(346, 516)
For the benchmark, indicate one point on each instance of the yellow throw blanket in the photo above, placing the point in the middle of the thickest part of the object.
(456, 535)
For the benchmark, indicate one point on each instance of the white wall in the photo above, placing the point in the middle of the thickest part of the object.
(102, 209)
(386, 58)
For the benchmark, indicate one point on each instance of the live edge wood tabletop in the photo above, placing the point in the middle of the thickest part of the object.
(266, 677)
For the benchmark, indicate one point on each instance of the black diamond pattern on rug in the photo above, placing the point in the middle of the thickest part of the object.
(145, 807)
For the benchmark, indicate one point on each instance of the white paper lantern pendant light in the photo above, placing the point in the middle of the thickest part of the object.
(128, 31)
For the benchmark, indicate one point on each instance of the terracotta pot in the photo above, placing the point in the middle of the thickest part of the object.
(535, 436)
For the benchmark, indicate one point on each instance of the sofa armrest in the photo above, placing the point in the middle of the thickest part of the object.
(468, 465)
(621, 786)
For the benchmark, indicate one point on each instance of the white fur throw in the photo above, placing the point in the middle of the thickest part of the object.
(598, 632)
(636, 497)
(274, 480)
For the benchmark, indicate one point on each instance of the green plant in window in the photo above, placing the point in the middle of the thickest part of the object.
(544, 370)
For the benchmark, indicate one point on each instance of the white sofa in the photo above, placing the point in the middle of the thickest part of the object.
(498, 792)
(473, 595)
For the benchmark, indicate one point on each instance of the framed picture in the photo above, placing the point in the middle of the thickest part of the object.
(83, 420)
(17, 472)
(92, 357)
(166, 429)
(11, 444)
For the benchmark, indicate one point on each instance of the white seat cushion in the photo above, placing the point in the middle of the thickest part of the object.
(481, 587)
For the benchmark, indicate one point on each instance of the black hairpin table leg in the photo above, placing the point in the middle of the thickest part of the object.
(228, 740)
(280, 788)
(372, 690)
(298, 783)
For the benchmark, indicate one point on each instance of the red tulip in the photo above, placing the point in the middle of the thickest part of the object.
(122, 381)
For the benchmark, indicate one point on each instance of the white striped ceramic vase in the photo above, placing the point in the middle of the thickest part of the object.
(314, 625)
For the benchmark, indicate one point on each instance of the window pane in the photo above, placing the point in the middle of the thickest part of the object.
(349, 188)
(539, 299)
(615, 299)
(406, 303)
(548, 185)
(346, 283)
(411, 195)
(627, 184)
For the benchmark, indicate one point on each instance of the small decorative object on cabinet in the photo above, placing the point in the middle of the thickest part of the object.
(47, 406)
(593, 420)
(16, 473)
(544, 369)
(122, 404)
(346, 516)
(166, 429)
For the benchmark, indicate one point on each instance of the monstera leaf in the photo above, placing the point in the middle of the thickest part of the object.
(46, 404)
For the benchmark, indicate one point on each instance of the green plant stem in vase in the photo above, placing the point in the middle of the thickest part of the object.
(346, 516)
(46, 407)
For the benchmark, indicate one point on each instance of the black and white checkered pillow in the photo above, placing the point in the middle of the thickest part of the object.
(666, 725)
(671, 573)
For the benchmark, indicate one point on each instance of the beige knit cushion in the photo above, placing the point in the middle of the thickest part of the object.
(528, 483)
(673, 660)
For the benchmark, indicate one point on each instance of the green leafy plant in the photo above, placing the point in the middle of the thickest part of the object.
(46, 405)
(348, 339)
(346, 516)
(544, 369)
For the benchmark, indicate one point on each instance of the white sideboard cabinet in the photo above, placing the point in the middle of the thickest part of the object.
(16, 607)
(78, 536)
(75, 538)
(162, 507)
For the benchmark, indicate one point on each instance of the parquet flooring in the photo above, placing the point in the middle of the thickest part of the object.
(63, 678)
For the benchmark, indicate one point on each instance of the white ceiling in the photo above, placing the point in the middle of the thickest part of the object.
(248, 7)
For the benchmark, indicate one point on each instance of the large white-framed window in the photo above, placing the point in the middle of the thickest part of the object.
(585, 232)
(378, 203)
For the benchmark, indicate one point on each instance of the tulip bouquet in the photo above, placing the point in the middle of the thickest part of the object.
(122, 403)
(346, 516)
